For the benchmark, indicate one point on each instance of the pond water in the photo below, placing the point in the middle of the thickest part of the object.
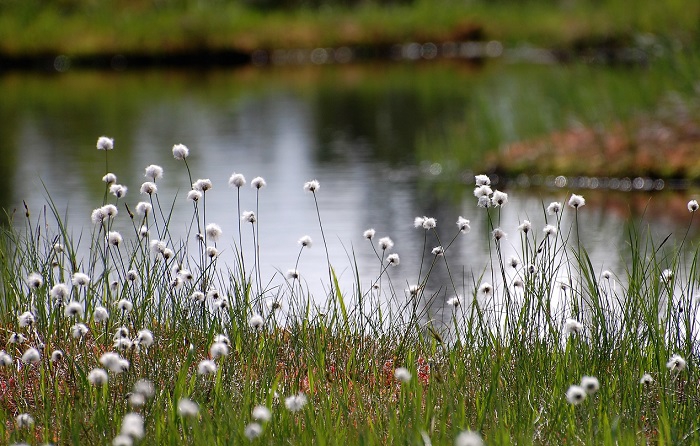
(366, 133)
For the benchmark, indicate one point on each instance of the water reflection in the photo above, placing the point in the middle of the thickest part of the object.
(356, 135)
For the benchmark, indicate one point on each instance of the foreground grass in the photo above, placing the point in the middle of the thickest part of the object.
(85, 28)
(517, 336)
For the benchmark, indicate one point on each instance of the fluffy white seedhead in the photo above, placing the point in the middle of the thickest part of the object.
(402, 374)
(393, 259)
(483, 192)
(575, 395)
(305, 241)
(109, 178)
(576, 201)
(385, 243)
(25, 319)
(438, 251)
(646, 380)
(454, 301)
(187, 408)
(132, 426)
(248, 216)
(148, 188)
(180, 151)
(463, 224)
(296, 402)
(258, 183)
(78, 331)
(256, 322)
(549, 230)
(262, 413)
(31, 356)
(469, 438)
(118, 190)
(252, 431)
(676, 364)
(144, 338)
(202, 185)
(482, 180)
(499, 198)
(206, 367)
(213, 231)
(499, 234)
(34, 280)
(590, 384)
(154, 172)
(218, 350)
(369, 234)
(693, 205)
(554, 208)
(312, 186)
(572, 326)
(100, 314)
(194, 196)
(485, 288)
(236, 180)
(105, 143)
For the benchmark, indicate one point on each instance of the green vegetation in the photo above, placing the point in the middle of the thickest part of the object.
(153, 27)
(516, 337)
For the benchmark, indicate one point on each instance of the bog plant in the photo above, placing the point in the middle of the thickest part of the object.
(144, 338)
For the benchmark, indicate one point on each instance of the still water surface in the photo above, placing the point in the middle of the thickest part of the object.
(364, 133)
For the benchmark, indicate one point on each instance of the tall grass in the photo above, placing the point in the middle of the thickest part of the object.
(498, 358)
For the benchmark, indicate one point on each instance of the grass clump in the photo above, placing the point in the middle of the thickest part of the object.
(147, 338)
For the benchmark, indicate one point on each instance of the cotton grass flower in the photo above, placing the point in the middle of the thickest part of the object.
(218, 350)
(114, 238)
(256, 322)
(666, 275)
(206, 367)
(385, 243)
(262, 413)
(572, 326)
(202, 185)
(402, 374)
(646, 380)
(549, 230)
(554, 208)
(77, 331)
(80, 279)
(498, 234)
(25, 319)
(16, 338)
(576, 201)
(132, 425)
(590, 384)
(34, 280)
(144, 338)
(482, 180)
(305, 241)
(59, 292)
(253, 431)
(56, 355)
(438, 251)
(248, 216)
(113, 362)
(180, 151)
(606, 275)
(693, 205)
(312, 186)
(145, 388)
(187, 408)
(5, 359)
(123, 344)
(125, 305)
(483, 192)
(575, 395)
(296, 402)
(222, 338)
(483, 202)
(676, 364)
(393, 259)
(213, 231)
(31, 356)
(525, 226)
(236, 180)
(469, 438)
(154, 172)
(100, 314)
(105, 143)
(109, 178)
(258, 183)
(198, 296)
(499, 198)
(118, 190)
(369, 234)
(73, 309)
(194, 196)
(455, 301)
(148, 188)
(122, 440)
(292, 274)
(485, 288)
(463, 224)
(24, 420)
